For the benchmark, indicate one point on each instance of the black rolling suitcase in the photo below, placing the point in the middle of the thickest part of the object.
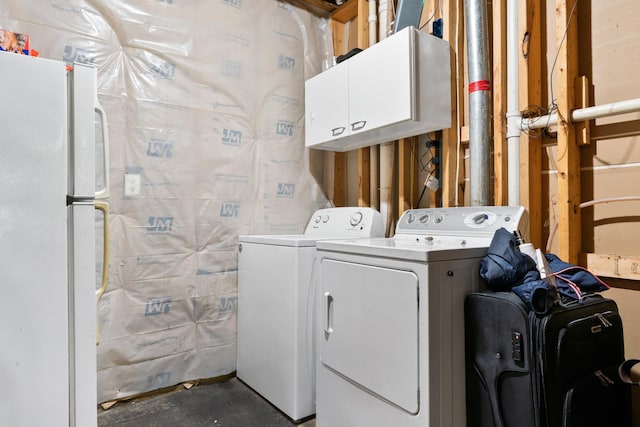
(557, 369)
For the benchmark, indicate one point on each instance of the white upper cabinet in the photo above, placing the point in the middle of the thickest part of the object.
(397, 88)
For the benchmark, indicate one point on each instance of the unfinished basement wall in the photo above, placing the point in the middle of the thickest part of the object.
(610, 167)
(205, 103)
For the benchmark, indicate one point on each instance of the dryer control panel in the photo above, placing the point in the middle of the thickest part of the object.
(347, 222)
(480, 221)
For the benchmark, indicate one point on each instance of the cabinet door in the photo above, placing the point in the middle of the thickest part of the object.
(326, 105)
(380, 84)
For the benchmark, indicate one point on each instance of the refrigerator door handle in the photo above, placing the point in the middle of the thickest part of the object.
(104, 207)
(104, 193)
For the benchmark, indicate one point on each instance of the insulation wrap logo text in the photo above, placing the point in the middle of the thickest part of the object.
(160, 148)
(231, 137)
(157, 306)
(284, 128)
(228, 305)
(286, 63)
(229, 209)
(79, 55)
(285, 189)
(159, 224)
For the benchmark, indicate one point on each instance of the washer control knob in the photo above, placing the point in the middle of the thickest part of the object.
(480, 218)
(317, 219)
(424, 218)
(325, 219)
(410, 218)
(437, 219)
(356, 218)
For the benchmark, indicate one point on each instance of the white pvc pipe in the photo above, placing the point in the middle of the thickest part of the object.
(582, 114)
(606, 110)
(374, 166)
(387, 150)
(373, 22)
(387, 153)
(513, 107)
(383, 22)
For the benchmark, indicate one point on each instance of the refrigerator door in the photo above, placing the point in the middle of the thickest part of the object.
(34, 331)
(82, 302)
(82, 164)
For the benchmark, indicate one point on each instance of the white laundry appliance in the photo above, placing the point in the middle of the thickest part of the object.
(276, 308)
(48, 241)
(391, 318)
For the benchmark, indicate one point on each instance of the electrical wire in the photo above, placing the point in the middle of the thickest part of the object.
(428, 166)
(438, 7)
(554, 107)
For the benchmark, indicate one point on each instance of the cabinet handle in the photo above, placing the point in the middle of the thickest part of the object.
(337, 131)
(358, 125)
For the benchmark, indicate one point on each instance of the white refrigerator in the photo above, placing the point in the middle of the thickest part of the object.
(48, 242)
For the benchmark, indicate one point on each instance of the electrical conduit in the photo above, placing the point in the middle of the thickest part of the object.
(479, 103)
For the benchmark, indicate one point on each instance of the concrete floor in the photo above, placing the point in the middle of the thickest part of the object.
(230, 404)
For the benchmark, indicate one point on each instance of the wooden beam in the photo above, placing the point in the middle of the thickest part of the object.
(583, 95)
(353, 11)
(530, 59)
(364, 177)
(608, 265)
(364, 156)
(363, 24)
(499, 21)
(451, 147)
(317, 7)
(615, 130)
(407, 174)
(339, 180)
(346, 12)
(569, 219)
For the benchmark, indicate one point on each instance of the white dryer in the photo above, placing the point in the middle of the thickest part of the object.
(391, 318)
(276, 308)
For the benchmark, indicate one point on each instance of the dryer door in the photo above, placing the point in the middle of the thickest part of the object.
(369, 317)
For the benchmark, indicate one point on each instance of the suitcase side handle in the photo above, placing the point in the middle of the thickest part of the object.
(625, 371)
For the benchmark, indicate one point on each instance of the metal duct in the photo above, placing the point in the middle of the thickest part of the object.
(479, 102)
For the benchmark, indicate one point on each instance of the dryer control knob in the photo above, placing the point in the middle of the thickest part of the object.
(356, 218)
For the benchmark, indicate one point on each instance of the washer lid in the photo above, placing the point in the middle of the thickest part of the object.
(295, 240)
(410, 248)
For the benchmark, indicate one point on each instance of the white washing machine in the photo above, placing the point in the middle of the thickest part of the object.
(391, 318)
(276, 308)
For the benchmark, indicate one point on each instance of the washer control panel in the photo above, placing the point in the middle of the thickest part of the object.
(469, 220)
(346, 221)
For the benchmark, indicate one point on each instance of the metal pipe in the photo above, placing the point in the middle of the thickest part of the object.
(479, 102)
(513, 108)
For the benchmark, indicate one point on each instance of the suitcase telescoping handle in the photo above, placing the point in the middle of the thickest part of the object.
(625, 371)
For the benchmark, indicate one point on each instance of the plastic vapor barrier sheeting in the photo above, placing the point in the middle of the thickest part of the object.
(204, 100)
